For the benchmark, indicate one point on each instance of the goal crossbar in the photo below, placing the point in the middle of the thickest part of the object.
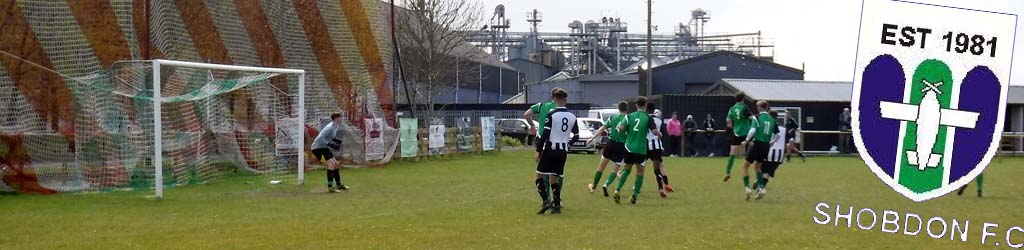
(158, 99)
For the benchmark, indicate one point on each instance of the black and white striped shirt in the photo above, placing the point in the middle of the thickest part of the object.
(559, 130)
(778, 148)
(653, 142)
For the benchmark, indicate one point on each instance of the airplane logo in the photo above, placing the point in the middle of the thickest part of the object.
(929, 116)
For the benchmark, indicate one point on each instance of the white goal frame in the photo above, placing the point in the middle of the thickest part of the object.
(158, 100)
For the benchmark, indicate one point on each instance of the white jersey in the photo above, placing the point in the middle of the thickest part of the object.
(559, 128)
(778, 148)
(653, 142)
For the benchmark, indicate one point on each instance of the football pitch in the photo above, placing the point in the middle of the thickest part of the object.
(488, 202)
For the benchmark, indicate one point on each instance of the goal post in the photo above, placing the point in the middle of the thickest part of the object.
(158, 100)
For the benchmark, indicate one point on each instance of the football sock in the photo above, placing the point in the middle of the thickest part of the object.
(636, 185)
(980, 180)
(547, 185)
(597, 178)
(657, 178)
(664, 178)
(337, 177)
(765, 182)
(728, 166)
(760, 179)
(329, 179)
(557, 187)
(622, 179)
(541, 189)
(611, 178)
(746, 181)
(561, 183)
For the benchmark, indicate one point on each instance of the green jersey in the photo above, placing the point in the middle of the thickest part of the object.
(637, 125)
(613, 132)
(740, 119)
(765, 127)
(541, 110)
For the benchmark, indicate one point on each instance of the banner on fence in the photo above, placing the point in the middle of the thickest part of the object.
(487, 132)
(410, 143)
(436, 139)
(286, 132)
(465, 135)
(374, 138)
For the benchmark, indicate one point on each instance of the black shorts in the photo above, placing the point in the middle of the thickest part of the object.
(770, 167)
(552, 162)
(632, 158)
(758, 152)
(654, 155)
(736, 140)
(323, 154)
(614, 151)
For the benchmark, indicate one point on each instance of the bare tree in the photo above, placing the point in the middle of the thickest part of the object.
(431, 38)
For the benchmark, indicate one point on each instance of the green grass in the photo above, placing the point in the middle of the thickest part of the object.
(488, 202)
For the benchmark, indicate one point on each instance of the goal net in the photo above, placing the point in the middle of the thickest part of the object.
(208, 118)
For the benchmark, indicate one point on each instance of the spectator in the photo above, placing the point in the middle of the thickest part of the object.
(844, 127)
(691, 133)
(709, 135)
(792, 140)
(675, 133)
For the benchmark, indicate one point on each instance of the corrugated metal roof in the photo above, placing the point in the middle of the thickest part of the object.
(1015, 95)
(725, 52)
(560, 76)
(792, 90)
(609, 78)
(817, 91)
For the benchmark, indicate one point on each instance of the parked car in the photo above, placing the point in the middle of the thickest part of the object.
(587, 127)
(516, 128)
(602, 113)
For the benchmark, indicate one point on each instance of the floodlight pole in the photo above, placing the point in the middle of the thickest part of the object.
(158, 158)
(650, 69)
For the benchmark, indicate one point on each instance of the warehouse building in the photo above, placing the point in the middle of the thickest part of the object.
(815, 104)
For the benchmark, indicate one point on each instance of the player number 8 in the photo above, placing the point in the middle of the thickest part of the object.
(565, 124)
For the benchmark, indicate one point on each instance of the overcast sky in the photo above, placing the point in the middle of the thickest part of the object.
(821, 35)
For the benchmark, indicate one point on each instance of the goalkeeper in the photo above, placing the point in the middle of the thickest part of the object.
(323, 146)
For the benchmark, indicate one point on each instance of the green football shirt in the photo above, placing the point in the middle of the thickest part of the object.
(765, 126)
(637, 125)
(740, 119)
(613, 132)
(541, 110)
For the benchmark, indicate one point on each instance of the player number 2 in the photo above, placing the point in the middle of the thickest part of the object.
(565, 124)
(636, 124)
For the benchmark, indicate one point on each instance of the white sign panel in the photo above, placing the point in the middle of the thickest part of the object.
(487, 132)
(374, 137)
(436, 136)
(929, 93)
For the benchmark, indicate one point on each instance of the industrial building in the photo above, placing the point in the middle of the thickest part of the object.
(694, 76)
(601, 56)
(816, 106)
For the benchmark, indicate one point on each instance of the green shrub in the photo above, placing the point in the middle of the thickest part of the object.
(511, 142)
